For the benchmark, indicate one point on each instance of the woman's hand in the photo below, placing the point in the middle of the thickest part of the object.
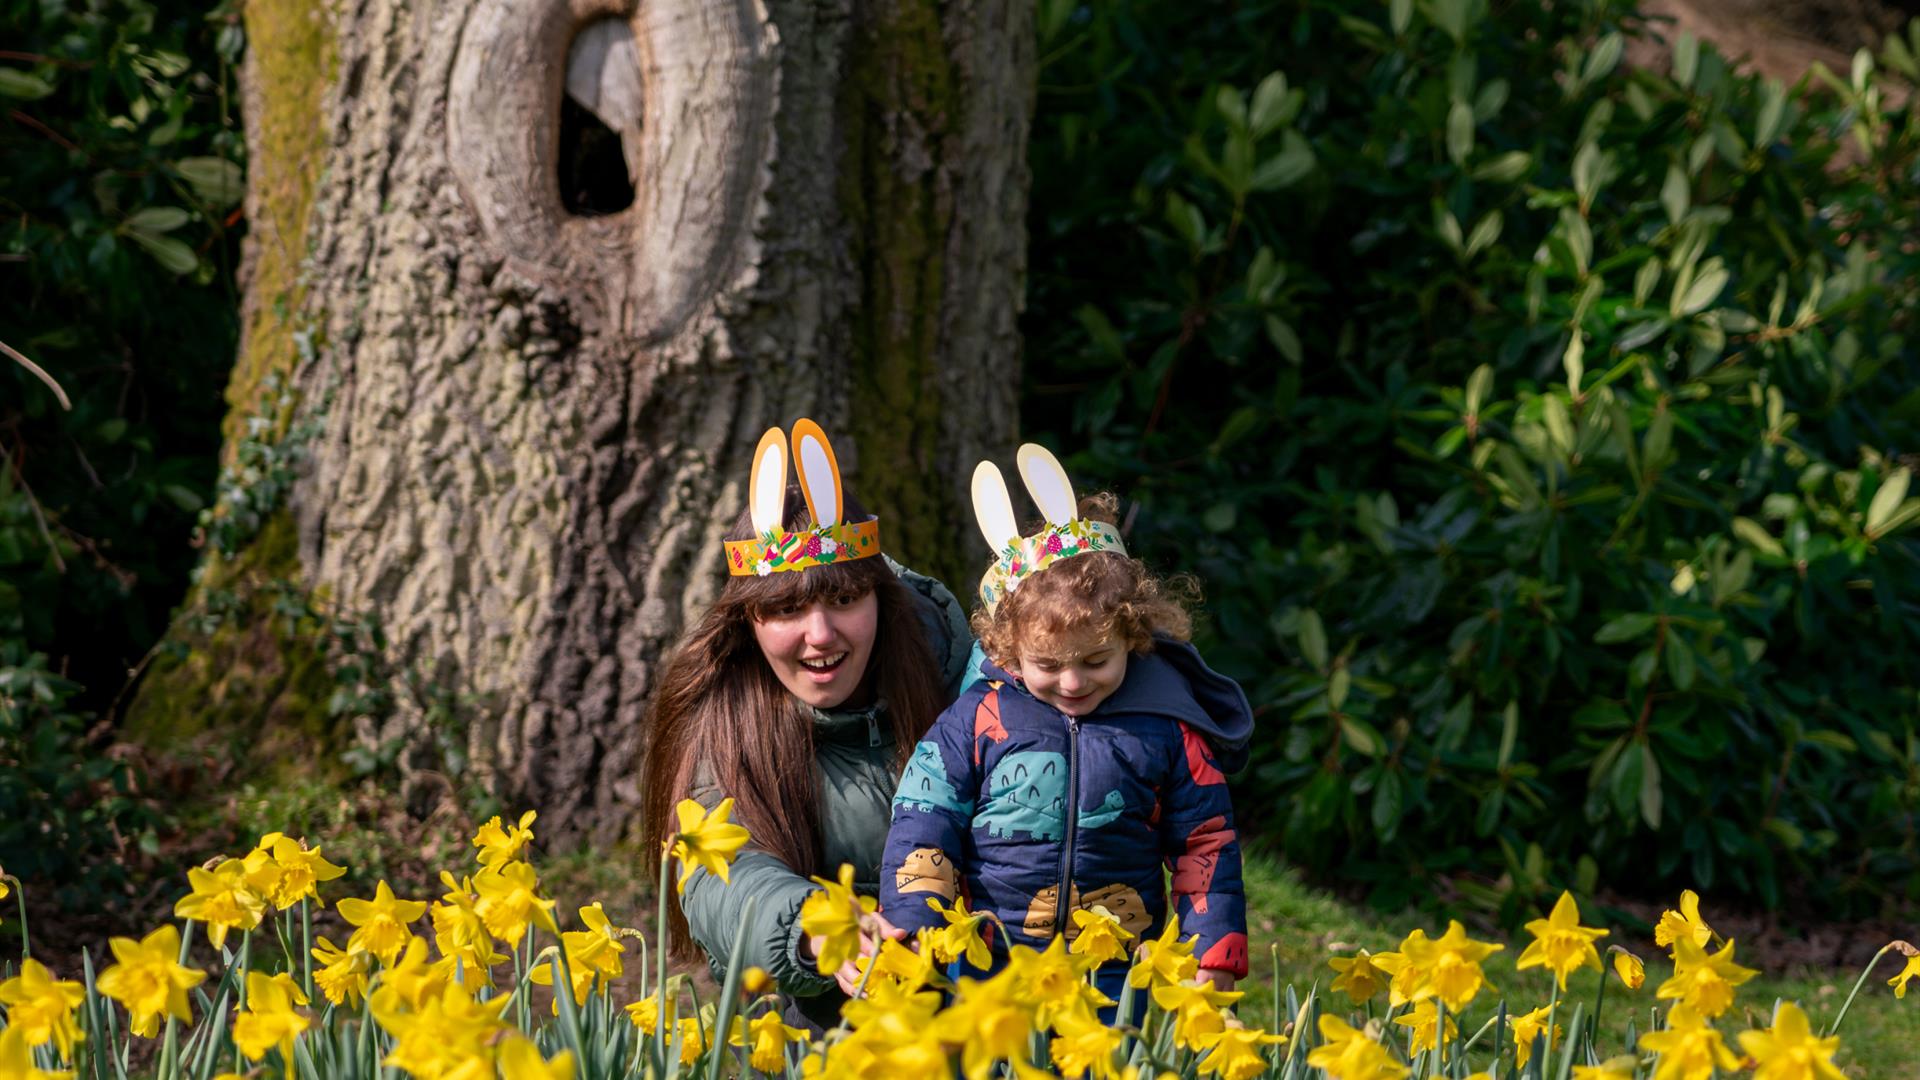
(1221, 978)
(874, 929)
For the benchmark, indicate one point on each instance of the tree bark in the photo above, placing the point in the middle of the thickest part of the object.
(535, 424)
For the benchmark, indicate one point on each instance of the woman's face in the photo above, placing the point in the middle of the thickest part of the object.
(820, 652)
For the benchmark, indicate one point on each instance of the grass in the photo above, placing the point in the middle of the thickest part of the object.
(1294, 928)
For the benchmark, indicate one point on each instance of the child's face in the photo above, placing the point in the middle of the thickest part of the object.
(1075, 674)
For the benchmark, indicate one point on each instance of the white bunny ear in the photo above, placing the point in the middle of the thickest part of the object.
(993, 507)
(1047, 483)
(767, 491)
(819, 472)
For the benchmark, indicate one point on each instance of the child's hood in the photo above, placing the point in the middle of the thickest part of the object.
(1173, 681)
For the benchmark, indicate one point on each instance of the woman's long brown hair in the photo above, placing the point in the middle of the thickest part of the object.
(720, 703)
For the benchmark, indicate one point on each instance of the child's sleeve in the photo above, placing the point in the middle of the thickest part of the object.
(932, 817)
(1203, 851)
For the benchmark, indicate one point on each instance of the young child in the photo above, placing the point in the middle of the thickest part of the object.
(1091, 755)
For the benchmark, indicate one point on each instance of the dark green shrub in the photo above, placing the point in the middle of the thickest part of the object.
(1536, 422)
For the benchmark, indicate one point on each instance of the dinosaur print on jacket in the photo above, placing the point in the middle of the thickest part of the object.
(1028, 792)
(925, 787)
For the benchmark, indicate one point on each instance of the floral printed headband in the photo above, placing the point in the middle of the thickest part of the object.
(772, 548)
(1064, 535)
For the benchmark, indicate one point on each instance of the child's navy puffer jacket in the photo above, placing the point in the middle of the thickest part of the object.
(987, 789)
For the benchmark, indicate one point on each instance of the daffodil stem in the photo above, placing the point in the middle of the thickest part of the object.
(168, 1045)
(1484, 1028)
(20, 894)
(1834, 1027)
(1599, 1002)
(306, 946)
(660, 959)
(240, 990)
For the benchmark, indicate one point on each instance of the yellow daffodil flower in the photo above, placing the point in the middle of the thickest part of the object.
(1689, 1048)
(1527, 1028)
(1907, 974)
(692, 1039)
(1618, 1068)
(149, 980)
(1632, 972)
(593, 954)
(1346, 1053)
(1449, 965)
(1098, 934)
(343, 973)
(509, 902)
(1358, 978)
(834, 913)
(1196, 1010)
(16, 1058)
(707, 841)
(1082, 1045)
(270, 1019)
(412, 979)
(286, 871)
(1685, 923)
(1704, 982)
(768, 1036)
(1235, 1054)
(1406, 967)
(42, 1007)
(645, 1014)
(755, 981)
(1560, 943)
(961, 937)
(1165, 960)
(908, 968)
(1790, 1050)
(381, 924)
(1424, 1019)
(500, 845)
(222, 899)
(987, 1020)
(520, 1060)
(448, 1035)
(1053, 982)
(459, 931)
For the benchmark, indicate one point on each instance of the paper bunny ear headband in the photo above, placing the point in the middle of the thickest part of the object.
(772, 548)
(1064, 535)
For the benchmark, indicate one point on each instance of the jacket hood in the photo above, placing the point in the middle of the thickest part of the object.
(1173, 681)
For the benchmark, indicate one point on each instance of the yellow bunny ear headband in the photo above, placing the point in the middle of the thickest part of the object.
(1064, 535)
(773, 549)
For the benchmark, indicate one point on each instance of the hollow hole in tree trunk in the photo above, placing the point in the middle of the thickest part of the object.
(593, 164)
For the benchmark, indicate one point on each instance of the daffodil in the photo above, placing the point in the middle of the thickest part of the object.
(1560, 943)
(987, 1020)
(1790, 1050)
(1358, 978)
(42, 1007)
(509, 902)
(521, 1060)
(459, 931)
(1053, 981)
(1907, 974)
(449, 1035)
(910, 968)
(1704, 982)
(1616, 1068)
(1235, 1053)
(222, 899)
(1685, 923)
(1689, 1048)
(1082, 1044)
(961, 936)
(286, 871)
(411, 981)
(1098, 934)
(593, 954)
(692, 1039)
(1346, 1053)
(499, 844)
(834, 913)
(1424, 1019)
(1530, 1026)
(1406, 967)
(707, 841)
(1449, 965)
(645, 1014)
(343, 972)
(1632, 973)
(270, 1019)
(149, 980)
(381, 924)
(1196, 1010)
(768, 1036)
(1165, 960)
(16, 1058)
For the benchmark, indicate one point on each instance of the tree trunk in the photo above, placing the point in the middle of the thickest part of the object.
(534, 406)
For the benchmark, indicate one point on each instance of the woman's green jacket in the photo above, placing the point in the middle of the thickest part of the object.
(854, 754)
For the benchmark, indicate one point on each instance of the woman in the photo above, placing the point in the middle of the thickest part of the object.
(799, 695)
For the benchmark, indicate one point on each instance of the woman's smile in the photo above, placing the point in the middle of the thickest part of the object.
(820, 653)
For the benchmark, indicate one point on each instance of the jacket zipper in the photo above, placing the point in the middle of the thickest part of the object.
(1062, 913)
(873, 730)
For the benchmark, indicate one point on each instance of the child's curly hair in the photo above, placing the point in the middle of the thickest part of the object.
(1106, 592)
